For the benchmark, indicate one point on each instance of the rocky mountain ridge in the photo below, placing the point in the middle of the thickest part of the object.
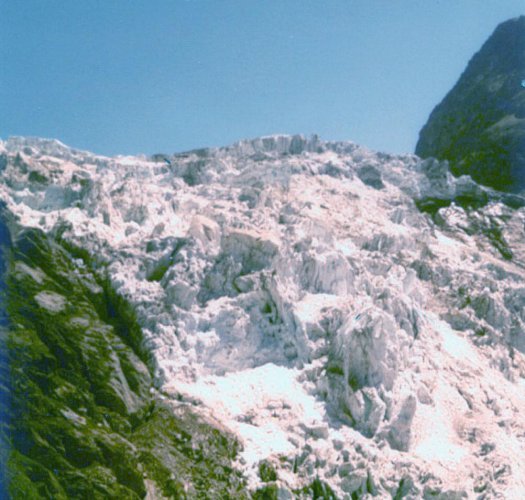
(479, 127)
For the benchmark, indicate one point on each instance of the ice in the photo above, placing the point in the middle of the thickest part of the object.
(290, 289)
(453, 343)
(260, 405)
(436, 439)
(309, 308)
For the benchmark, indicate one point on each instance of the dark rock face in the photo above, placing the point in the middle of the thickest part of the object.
(480, 125)
(79, 417)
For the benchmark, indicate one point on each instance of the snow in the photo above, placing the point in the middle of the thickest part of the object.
(445, 240)
(309, 308)
(310, 313)
(438, 439)
(453, 343)
(252, 402)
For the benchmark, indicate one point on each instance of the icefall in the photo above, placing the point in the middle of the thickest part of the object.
(353, 316)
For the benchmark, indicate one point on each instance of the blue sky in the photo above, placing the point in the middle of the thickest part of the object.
(123, 77)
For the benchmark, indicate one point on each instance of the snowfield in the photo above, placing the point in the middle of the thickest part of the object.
(349, 315)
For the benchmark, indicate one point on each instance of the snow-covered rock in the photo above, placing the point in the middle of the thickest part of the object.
(353, 316)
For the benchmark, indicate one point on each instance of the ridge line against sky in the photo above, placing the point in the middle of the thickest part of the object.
(162, 76)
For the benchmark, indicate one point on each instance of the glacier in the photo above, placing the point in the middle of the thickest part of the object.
(352, 316)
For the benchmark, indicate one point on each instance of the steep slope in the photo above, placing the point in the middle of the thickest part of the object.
(81, 418)
(352, 317)
(5, 386)
(480, 125)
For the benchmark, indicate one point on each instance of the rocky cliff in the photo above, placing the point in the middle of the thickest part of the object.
(479, 127)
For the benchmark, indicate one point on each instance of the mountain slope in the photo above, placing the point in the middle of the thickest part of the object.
(350, 316)
(83, 420)
(480, 124)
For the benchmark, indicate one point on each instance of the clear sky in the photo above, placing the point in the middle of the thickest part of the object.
(130, 76)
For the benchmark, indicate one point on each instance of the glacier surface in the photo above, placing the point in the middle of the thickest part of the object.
(353, 316)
